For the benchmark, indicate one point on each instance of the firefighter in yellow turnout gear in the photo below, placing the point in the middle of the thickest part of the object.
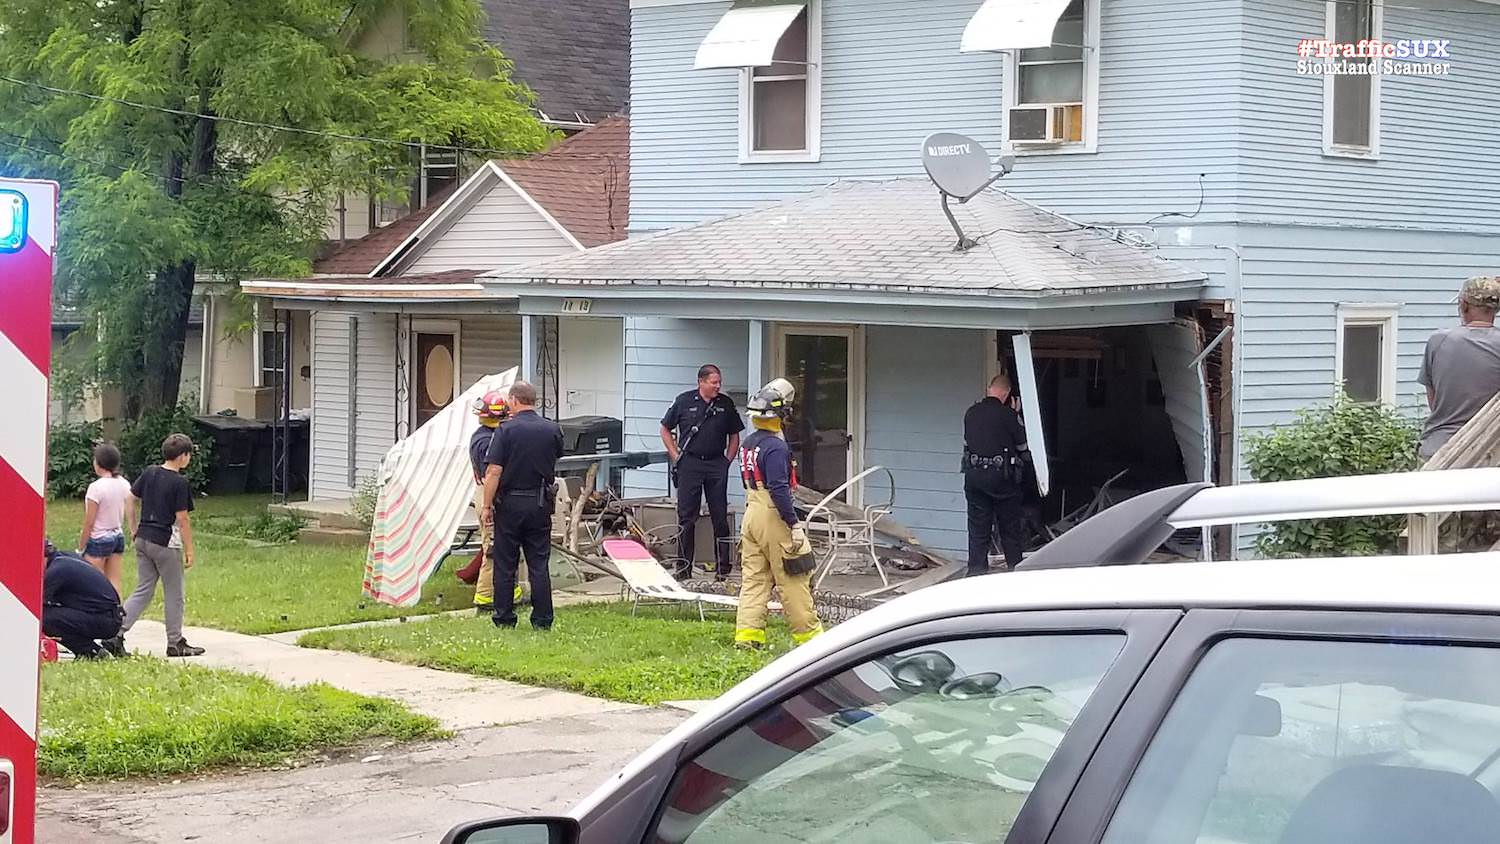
(774, 550)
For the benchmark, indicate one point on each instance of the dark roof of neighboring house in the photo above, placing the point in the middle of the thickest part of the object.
(575, 54)
(584, 182)
(362, 256)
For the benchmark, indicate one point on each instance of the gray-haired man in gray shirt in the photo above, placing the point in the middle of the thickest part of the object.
(1461, 367)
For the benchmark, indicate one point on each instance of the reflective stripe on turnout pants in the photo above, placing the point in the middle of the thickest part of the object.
(762, 537)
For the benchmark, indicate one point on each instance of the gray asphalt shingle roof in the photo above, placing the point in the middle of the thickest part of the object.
(887, 235)
(575, 54)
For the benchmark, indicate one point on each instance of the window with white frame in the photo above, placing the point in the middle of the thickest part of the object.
(1365, 352)
(272, 357)
(1051, 94)
(1351, 102)
(779, 103)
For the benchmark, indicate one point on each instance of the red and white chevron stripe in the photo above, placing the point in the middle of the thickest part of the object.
(25, 352)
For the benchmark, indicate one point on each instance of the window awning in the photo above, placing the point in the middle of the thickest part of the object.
(748, 33)
(1012, 25)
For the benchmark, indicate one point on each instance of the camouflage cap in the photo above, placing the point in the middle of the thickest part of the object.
(1483, 291)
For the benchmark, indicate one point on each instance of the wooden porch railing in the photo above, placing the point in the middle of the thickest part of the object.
(1476, 445)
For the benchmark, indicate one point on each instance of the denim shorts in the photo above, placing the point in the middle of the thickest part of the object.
(103, 546)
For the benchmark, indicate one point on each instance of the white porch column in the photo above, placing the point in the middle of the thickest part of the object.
(757, 361)
(531, 332)
(1031, 409)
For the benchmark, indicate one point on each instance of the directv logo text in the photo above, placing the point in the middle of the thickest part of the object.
(954, 149)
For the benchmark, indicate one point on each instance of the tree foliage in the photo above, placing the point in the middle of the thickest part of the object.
(181, 183)
(1340, 439)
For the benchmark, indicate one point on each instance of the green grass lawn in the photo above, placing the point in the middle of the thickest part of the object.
(595, 649)
(145, 717)
(248, 587)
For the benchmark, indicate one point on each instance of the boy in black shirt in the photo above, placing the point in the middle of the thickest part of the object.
(164, 501)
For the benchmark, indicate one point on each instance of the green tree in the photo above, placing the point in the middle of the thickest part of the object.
(1339, 439)
(210, 136)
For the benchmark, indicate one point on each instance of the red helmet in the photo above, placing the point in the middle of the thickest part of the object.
(492, 408)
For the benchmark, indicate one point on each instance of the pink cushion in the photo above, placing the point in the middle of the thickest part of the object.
(626, 549)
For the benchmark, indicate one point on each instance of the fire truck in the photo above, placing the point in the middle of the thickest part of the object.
(28, 238)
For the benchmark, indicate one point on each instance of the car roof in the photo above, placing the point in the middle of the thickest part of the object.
(1448, 583)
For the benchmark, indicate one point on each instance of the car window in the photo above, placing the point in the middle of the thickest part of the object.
(1295, 742)
(938, 743)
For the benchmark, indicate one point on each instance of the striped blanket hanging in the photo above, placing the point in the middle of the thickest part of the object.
(426, 486)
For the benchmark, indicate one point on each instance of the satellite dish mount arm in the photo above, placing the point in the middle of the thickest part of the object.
(965, 243)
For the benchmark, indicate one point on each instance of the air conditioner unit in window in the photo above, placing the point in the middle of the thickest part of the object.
(1046, 124)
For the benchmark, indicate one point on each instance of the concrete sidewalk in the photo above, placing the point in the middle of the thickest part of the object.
(459, 701)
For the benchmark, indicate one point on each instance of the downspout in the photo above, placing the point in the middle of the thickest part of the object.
(206, 362)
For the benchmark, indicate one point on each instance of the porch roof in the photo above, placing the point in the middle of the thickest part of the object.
(886, 236)
(446, 286)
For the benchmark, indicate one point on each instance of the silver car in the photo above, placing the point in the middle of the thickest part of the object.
(1083, 699)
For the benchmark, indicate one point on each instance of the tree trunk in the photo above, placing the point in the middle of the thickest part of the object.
(166, 336)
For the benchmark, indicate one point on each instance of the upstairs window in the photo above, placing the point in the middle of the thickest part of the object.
(1351, 102)
(1051, 95)
(775, 47)
(778, 117)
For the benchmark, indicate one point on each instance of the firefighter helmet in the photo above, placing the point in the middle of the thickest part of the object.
(774, 401)
(492, 408)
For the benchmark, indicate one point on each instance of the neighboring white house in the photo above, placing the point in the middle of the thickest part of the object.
(73, 341)
(398, 324)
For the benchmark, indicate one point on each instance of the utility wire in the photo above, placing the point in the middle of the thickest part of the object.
(274, 127)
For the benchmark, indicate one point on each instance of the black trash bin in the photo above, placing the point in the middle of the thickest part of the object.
(234, 450)
(593, 435)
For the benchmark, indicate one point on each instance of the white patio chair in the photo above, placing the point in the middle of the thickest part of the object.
(840, 530)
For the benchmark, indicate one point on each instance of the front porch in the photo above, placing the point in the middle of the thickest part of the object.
(858, 295)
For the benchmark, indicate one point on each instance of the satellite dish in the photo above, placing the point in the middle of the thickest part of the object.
(957, 164)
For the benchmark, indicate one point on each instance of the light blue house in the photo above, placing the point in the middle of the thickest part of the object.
(1180, 180)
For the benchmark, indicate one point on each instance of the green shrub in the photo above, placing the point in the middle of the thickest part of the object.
(281, 529)
(1343, 438)
(140, 443)
(366, 496)
(70, 459)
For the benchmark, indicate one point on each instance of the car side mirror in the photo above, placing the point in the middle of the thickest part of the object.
(1263, 718)
(515, 831)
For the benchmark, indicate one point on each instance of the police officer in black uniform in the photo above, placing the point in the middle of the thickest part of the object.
(520, 488)
(702, 434)
(994, 467)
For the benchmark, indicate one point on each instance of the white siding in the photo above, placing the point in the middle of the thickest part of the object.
(328, 474)
(918, 383)
(892, 74)
(592, 367)
(662, 357)
(487, 345)
(1438, 134)
(499, 228)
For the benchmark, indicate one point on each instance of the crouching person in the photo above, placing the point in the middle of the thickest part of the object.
(774, 549)
(80, 607)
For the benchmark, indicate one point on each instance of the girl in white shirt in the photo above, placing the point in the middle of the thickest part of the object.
(106, 510)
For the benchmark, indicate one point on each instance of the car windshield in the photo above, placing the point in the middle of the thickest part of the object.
(941, 743)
